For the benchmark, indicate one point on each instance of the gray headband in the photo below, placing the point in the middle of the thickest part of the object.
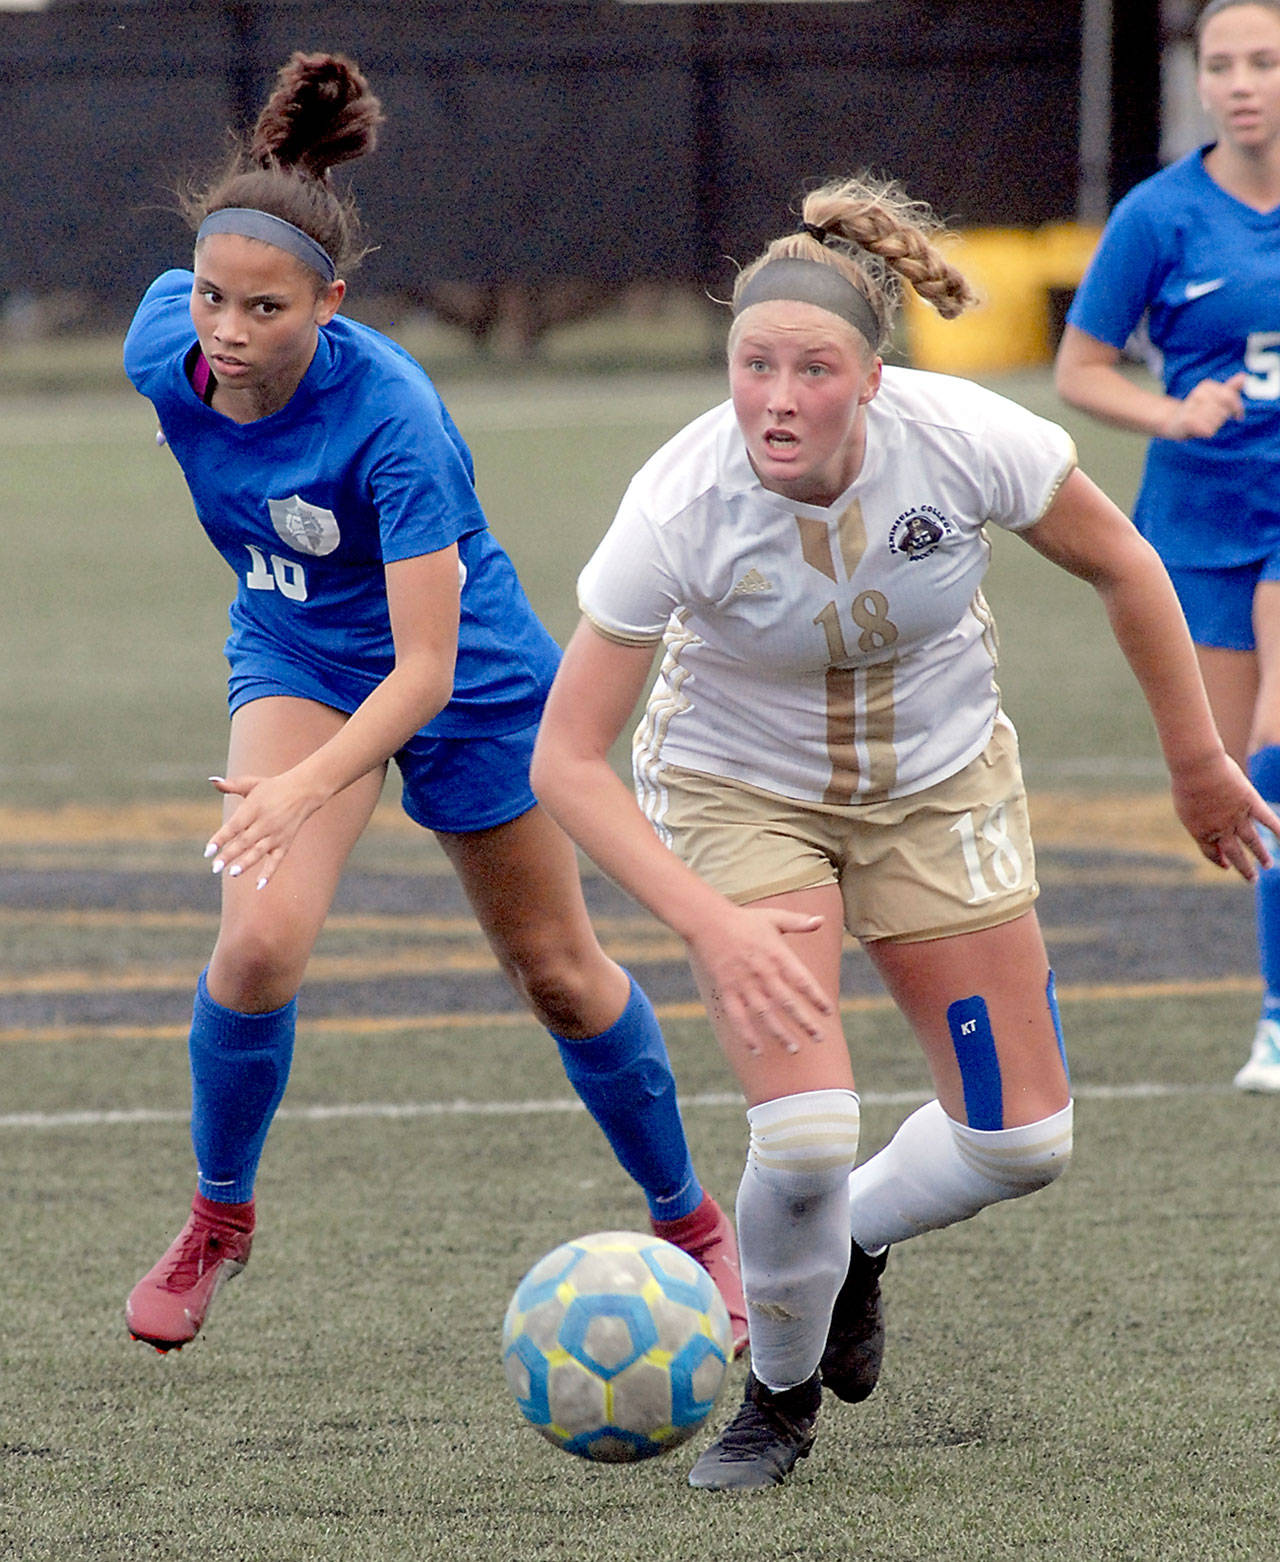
(811, 282)
(250, 223)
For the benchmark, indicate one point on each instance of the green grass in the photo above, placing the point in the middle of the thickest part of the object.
(1087, 1374)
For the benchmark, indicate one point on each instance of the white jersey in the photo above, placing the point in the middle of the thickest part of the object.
(836, 655)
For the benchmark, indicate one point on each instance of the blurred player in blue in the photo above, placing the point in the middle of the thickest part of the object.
(375, 618)
(1195, 253)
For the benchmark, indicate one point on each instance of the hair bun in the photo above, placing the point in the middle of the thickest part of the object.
(321, 112)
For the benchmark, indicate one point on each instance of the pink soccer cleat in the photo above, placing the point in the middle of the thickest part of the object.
(707, 1234)
(168, 1306)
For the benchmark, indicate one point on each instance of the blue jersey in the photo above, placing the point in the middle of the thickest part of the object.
(362, 467)
(1204, 269)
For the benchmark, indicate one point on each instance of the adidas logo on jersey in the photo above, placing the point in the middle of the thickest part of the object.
(750, 583)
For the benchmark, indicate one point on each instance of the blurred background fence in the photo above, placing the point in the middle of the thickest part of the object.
(541, 159)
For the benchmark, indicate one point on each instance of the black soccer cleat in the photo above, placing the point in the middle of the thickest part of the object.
(850, 1364)
(760, 1446)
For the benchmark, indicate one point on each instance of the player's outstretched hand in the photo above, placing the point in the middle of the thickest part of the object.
(259, 832)
(1222, 812)
(764, 990)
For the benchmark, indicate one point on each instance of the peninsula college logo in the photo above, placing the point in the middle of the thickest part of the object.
(304, 526)
(916, 533)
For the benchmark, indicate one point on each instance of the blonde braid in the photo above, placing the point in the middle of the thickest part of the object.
(880, 219)
(877, 237)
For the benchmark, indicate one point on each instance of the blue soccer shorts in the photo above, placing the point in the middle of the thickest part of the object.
(1218, 603)
(455, 785)
(458, 785)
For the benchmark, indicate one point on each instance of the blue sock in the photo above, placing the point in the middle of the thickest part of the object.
(239, 1070)
(624, 1079)
(1264, 772)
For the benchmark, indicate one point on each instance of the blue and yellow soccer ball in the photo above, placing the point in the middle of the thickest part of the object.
(615, 1346)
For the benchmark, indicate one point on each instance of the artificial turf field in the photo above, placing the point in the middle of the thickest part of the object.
(1091, 1373)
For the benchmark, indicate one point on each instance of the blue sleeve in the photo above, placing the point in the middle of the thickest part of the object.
(161, 327)
(1122, 278)
(421, 487)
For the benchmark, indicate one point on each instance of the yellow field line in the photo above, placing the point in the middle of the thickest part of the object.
(662, 948)
(464, 924)
(1101, 992)
(641, 947)
(1131, 821)
(149, 823)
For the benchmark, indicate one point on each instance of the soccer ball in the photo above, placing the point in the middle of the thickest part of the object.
(615, 1346)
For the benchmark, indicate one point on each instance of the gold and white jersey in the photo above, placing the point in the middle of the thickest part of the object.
(839, 655)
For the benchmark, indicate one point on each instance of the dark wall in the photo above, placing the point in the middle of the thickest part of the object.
(525, 143)
(1135, 94)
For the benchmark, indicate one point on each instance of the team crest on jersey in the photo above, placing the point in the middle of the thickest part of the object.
(304, 526)
(916, 533)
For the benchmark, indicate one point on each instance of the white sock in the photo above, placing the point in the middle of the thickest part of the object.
(793, 1227)
(935, 1171)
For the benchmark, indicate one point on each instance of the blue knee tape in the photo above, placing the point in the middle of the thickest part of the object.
(1264, 772)
(1051, 997)
(975, 1048)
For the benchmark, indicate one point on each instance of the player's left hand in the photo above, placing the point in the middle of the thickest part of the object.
(1223, 812)
(261, 829)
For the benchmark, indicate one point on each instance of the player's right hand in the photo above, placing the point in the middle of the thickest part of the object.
(765, 992)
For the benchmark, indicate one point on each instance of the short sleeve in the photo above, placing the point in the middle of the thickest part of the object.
(419, 481)
(1029, 459)
(627, 589)
(1121, 279)
(160, 330)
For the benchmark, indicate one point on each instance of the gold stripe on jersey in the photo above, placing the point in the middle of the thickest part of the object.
(990, 638)
(815, 542)
(864, 761)
(852, 531)
(1053, 493)
(815, 545)
(617, 636)
(662, 708)
(881, 731)
(842, 735)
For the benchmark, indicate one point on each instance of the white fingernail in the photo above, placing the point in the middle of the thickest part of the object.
(211, 848)
(219, 865)
(262, 883)
(235, 871)
(217, 778)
